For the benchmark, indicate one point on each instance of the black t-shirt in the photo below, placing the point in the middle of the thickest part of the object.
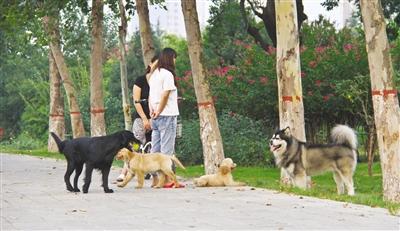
(141, 82)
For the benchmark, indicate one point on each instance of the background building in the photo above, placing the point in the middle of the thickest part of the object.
(171, 20)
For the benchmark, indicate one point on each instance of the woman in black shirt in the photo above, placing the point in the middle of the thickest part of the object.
(141, 125)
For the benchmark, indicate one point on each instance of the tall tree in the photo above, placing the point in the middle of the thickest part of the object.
(97, 122)
(51, 24)
(384, 97)
(56, 115)
(146, 38)
(126, 104)
(291, 109)
(209, 131)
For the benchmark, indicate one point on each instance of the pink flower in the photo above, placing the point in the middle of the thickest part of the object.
(247, 46)
(318, 82)
(347, 47)
(264, 80)
(302, 74)
(229, 78)
(312, 64)
(320, 49)
(325, 98)
(251, 81)
(303, 48)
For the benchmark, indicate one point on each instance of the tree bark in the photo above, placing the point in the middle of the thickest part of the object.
(126, 104)
(209, 131)
(291, 110)
(370, 146)
(51, 26)
(97, 122)
(384, 97)
(56, 116)
(145, 31)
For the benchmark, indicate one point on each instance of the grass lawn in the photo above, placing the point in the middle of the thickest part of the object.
(368, 188)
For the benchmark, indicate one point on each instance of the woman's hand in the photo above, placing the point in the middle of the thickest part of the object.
(146, 124)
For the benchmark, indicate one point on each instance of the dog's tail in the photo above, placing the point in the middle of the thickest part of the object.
(177, 162)
(344, 135)
(60, 144)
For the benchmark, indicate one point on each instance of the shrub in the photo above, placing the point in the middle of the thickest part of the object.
(243, 138)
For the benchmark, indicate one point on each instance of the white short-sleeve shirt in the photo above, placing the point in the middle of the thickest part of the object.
(162, 80)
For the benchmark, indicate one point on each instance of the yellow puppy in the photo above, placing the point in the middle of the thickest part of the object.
(141, 164)
(222, 178)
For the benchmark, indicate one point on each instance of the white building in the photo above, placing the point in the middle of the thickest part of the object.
(171, 20)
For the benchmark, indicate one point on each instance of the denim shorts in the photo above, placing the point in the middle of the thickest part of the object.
(164, 133)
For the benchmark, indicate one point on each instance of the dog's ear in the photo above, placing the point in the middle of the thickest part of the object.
(287, 131)
(225, 170)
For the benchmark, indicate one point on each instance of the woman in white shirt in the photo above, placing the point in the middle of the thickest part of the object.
(163, 103)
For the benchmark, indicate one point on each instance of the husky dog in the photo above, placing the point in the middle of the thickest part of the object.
(299, 160)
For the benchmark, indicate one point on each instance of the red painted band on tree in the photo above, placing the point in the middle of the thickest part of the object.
(97, 110)
(384, 93)
(205, 104)
(289, 98)
(56, 115)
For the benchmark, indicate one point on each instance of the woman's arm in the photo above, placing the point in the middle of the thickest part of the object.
(138, 106)
(161, 106)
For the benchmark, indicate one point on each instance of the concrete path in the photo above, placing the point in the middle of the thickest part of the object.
(33, 196)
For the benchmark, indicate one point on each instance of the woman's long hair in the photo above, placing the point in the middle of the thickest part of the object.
(166, 60)
(148, 68)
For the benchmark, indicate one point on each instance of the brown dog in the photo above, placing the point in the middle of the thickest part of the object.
(141, 164)
(222, 178)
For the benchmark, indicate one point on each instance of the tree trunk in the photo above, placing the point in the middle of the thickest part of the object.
(56, 116)
(97, 122)
(370, 146)
(209, 131)
(145, 31)
(384, 97)
(291, 110)
(126, 104)
(51, 26)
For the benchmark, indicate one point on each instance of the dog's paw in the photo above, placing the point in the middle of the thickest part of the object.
(121, 185)
(108, 190)
(70, 189)
(138, 187)
(76, 190)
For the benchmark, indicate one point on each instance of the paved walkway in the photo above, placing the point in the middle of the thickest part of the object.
(33, 196)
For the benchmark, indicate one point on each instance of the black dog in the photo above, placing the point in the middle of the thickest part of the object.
(95, 152)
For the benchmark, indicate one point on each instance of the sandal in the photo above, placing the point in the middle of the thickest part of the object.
(169, 185)
(172, 185)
